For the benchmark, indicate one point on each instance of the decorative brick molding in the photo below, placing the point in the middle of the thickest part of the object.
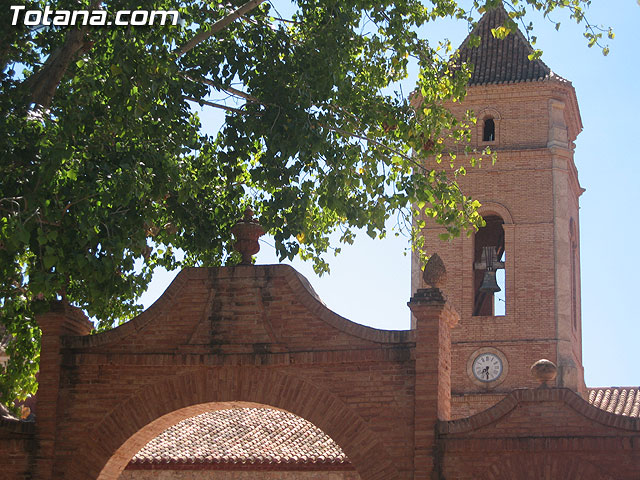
(17, 427)
(494, 208)
(239, 474)
(298, 284)
(540, 395)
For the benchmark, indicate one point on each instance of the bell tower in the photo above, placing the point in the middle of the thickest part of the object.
(529, 248)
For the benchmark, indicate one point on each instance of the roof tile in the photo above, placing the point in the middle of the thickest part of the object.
(501, 61)
(241, 436)
(619, 400)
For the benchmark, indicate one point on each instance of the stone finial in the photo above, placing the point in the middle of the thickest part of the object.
(544, 371)
(247, 232)
(435, 274)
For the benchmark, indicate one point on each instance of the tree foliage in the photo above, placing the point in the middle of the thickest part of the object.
(105, 171)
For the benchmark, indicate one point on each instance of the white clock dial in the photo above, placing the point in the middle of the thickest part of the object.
(487, 367)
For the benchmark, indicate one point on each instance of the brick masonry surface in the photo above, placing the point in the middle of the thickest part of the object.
(239, 336)
(258, 336)
(17, 448)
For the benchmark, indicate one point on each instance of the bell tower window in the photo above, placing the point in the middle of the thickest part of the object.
(489, 130)
(489, 263)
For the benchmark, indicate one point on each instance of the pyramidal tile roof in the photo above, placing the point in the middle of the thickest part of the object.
(619, 400)
(501, 61)
(256, 436)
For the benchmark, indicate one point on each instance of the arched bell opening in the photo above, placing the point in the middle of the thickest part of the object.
(489, 268)
(488, 127)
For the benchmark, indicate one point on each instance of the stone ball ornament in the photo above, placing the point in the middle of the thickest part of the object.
(544, 371)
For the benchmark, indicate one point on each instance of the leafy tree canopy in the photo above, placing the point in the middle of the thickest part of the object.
(104, 164)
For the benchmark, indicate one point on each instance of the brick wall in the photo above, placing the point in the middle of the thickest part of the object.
(17, 449)
(541, 433)
(383, 396)
(225, 337)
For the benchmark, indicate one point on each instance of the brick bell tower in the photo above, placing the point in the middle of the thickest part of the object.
(530, 117)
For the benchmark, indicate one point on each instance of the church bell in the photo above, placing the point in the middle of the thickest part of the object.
(489, 282)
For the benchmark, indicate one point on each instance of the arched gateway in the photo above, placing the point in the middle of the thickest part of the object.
(123, 432)
(220, 338)
(249, 336)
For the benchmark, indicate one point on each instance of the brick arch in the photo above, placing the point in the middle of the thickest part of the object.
(494, 208)
(543, 467)
(109, 446)
(489, 112)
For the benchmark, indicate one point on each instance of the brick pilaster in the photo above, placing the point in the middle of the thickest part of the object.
(61, 320)
(434, 319)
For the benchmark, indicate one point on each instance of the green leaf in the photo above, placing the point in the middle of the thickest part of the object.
(535, 55)
(49, 261)
(23, 236)
(500, 32)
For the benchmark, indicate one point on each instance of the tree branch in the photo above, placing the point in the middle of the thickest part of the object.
(219, 25)
(215, 105)
(251, 98)
(376, 142)
(231, 90)
(44, 83)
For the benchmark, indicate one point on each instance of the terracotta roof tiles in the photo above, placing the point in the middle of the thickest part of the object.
(242, 436)
(619, 400)
(502, 61)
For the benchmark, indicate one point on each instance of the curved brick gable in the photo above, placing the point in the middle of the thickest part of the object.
(536, 431)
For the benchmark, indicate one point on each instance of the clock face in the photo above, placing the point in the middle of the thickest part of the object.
(487, 367)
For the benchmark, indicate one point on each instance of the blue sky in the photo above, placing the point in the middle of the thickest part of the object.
(370, 281)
